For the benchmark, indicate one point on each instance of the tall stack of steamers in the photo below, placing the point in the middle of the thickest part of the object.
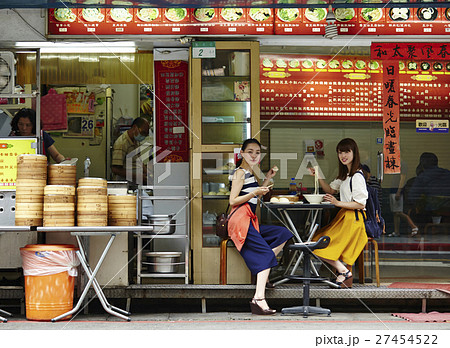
(55, 204)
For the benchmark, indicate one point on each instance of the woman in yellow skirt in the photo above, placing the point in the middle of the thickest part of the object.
(347, 231)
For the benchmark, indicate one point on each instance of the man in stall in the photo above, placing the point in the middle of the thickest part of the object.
(130, 154)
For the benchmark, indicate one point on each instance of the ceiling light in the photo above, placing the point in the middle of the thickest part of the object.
(80, 47)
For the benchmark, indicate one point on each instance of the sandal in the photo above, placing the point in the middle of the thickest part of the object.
(256, 309)
(414, 231)
(348, 280)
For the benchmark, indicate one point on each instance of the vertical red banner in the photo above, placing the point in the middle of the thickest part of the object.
(391, 117)
(171, 90)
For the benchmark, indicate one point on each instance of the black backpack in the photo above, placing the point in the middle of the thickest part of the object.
(372, 215)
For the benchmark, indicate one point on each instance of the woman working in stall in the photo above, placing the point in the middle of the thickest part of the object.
(24, 124)
(258, 244)
(347, 230)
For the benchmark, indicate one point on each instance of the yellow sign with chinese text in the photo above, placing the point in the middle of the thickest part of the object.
(10, 148)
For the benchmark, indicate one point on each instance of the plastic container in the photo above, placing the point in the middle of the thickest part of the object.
(50, 272)
(293, 187)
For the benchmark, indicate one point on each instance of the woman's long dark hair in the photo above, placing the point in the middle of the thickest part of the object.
(244, 146)
(344, 145)
(25, 113)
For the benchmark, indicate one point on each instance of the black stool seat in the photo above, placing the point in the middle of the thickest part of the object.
(307, 249)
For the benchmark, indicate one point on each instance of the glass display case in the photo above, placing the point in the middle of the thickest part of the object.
(226, 98)
(224, 109)
(216, 168)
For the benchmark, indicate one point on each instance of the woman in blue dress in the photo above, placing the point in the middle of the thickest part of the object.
(257, 244)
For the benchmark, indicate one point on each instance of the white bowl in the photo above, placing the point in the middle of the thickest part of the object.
(314, 199)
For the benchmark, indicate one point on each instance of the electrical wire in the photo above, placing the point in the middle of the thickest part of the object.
(25, 21)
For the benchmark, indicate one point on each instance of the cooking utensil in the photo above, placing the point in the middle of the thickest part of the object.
(163, 261)
(162, 224)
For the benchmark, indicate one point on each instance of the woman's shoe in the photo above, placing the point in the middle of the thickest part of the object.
(347, 282)
(256, 309)
(414, 231)
(270, 285)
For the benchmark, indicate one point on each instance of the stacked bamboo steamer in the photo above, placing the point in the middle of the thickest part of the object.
(62, 174)
(30, 184)
(121, 210)
(92, 202)
(59, 205)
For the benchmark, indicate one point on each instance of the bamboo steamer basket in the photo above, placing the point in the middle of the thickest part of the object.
(92, 221)
(29, 198)
(121, 222)
(51, 222)
(121, 210)
(59, 199)
(89, 208)
(28, 221)
(98, 182)
(34, 209)
(91, 191)
(32, 167)
(92, 199)
(62, 190)
(59, 207)
(62, 174)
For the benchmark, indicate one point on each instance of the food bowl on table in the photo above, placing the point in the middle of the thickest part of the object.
(284, 199)
(314, 199)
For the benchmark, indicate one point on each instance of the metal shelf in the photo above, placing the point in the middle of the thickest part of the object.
(140, 237)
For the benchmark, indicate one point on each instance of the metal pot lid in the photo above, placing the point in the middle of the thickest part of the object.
(163, 253)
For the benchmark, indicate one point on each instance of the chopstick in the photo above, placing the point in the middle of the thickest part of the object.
(269, 186)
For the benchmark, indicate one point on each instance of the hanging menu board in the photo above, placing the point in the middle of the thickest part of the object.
(298, 87)
(160, 21)
(171, 94)
(247, 21)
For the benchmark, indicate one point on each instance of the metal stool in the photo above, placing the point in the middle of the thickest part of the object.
(307, 250)
(6, 313)
(361, 271)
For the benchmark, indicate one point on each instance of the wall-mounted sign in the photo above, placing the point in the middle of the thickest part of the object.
(247, 21)
(391, 117)
(203, 49)
(411, 51)
(344, 88)
(10, 148)
(432, 126)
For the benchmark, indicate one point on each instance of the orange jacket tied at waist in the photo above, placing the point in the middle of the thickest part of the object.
(239, 223)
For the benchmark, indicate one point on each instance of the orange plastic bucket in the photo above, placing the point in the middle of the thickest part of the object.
(47, 296)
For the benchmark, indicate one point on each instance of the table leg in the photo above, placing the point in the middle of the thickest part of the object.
(91, 275)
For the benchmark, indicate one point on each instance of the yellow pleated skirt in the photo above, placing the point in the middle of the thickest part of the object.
(348, 237)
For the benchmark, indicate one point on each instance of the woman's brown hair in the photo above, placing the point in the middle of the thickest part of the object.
(345, 145)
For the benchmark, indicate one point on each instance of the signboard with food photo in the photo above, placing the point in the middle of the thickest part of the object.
(295, 87)
(425, 20)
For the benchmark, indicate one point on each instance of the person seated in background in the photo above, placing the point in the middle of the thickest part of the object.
(24, 124)
(430, 192)
(372, 181)
(126, 147)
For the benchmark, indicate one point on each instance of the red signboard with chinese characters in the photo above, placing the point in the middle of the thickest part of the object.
(299, 87)
(391, 117)
(411, 51)
(171, 94)
(161, 21)
(247, 21)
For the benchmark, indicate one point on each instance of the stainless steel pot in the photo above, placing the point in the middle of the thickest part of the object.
(163, 261)
(162, 224)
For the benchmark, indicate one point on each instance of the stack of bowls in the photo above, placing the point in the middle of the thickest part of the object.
(30, 183)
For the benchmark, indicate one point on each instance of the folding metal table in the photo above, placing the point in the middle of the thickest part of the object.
(78, 232)
(311, 225)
